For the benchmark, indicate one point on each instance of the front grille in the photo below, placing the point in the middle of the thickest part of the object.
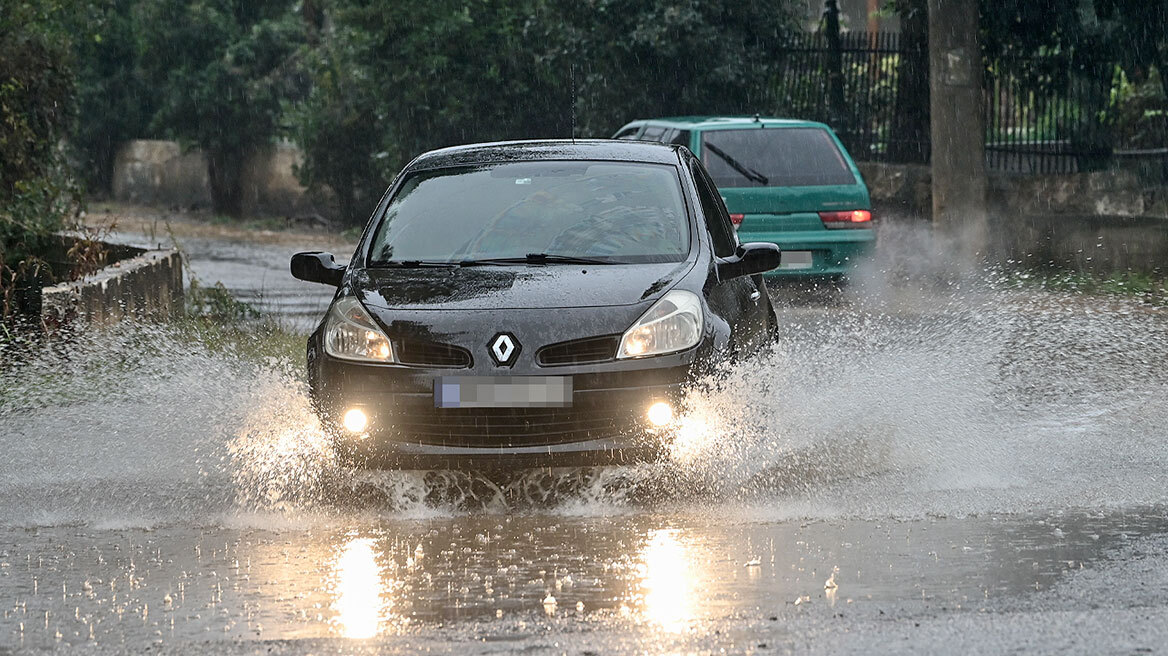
(432, 354)
(504, 427)
(580, 351)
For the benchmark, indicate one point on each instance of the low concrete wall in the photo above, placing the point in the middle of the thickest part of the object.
(1103, 221)
(147, 285)
(159, 173)
(906, 189)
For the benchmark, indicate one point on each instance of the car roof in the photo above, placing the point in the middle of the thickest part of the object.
(706, 122)
(547, 149)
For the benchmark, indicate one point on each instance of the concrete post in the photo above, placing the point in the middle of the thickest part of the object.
(957, 124)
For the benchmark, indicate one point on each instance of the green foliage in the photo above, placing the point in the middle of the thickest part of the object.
(37, 195)
(1083, 69)
(1129, 33)
(1140, 111)
(217, 320)
(221, 69)
(1150, 288)
(215, 302)
(642, 58)
(115, 102)
(394, 79)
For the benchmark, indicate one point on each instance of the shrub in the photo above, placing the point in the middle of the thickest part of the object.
(38, 197)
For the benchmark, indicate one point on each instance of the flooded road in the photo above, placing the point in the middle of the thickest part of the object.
(922, 467)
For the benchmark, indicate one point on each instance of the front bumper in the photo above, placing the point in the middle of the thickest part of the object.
(382, 454)
(606, 423)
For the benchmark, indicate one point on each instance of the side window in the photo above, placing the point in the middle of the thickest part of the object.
(652, 133)
(717, 219)
(680, 138)
(628, 133)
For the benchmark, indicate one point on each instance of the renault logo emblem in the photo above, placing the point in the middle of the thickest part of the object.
(504, 349)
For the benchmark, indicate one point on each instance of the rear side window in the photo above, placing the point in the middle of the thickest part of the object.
(774, 157)
(652, 133)
(628, 133)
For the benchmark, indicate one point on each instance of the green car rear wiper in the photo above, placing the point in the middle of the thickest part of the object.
(536, 258)
(745, 170)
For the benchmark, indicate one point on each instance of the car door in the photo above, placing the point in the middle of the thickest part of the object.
(741, 301)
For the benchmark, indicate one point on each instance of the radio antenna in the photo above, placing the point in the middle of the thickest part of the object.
(572, 75)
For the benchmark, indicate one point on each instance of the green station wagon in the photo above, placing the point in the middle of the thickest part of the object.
(788, 182)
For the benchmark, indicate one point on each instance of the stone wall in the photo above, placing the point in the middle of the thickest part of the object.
(1103, 221)
(159, 173)
(1101, 193)
(147, 285)
(905, 189)
(899, 190)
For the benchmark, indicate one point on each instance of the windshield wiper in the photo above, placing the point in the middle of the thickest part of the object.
(536, 258)
(745, 170)
(413, 264)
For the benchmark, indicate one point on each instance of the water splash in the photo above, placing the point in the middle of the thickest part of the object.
(929, 394)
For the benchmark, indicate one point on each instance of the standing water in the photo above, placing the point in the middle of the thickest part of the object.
(928, 459)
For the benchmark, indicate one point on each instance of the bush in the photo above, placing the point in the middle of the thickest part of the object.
(114, 100)
(37, 195)
(393, 79)
(221, 70)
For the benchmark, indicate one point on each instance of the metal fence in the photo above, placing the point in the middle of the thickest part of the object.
(1044, 115)
(1052, 115)
(851, 86)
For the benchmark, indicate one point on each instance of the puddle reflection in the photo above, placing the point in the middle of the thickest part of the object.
(362, 601)
(667, 580)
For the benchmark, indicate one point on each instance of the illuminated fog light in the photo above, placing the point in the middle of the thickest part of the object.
(660, 413)
(355, 420)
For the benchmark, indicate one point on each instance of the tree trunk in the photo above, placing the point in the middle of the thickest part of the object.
(224, 170)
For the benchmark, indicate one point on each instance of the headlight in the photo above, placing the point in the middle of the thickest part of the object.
(350, 334)
(673, 324)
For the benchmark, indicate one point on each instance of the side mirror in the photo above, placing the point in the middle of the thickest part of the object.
(317, 267)
(749, 259)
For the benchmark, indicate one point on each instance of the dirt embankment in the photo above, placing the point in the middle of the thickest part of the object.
(161, 224)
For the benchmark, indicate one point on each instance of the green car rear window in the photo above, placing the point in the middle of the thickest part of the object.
(774, 157)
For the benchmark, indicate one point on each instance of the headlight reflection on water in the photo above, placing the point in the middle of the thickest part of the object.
(361, 592)
(667, 581)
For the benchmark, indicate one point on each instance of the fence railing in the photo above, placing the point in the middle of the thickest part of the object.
(1044, 115)
(852, 88)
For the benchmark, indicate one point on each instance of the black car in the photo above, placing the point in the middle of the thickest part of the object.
(532, 303)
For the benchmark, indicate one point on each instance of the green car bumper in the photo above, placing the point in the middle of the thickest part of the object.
(817, 252)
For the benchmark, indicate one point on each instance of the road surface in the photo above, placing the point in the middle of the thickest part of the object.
(924, 467)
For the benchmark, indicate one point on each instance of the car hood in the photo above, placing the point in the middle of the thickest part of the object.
(516, 287)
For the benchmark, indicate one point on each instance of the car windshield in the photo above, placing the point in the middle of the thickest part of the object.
(545, 212)
(774, 157)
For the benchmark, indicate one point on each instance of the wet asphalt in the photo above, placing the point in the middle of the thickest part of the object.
(917, 467)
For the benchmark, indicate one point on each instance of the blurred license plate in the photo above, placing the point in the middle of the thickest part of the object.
(795, 260)
(503, 392)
